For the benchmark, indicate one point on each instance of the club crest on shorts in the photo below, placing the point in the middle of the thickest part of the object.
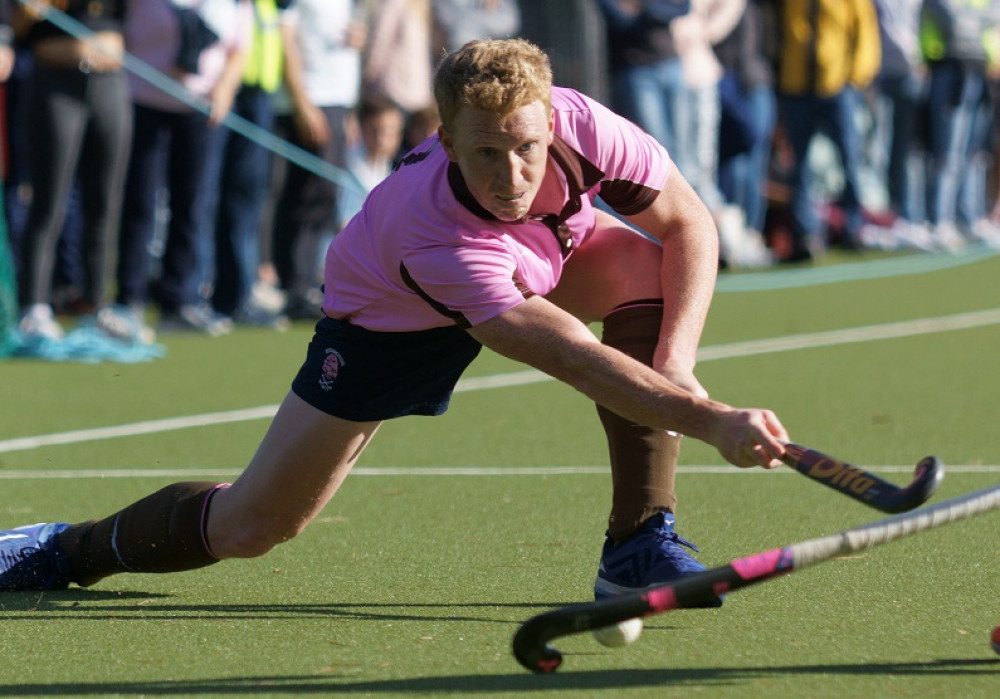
(331, 368)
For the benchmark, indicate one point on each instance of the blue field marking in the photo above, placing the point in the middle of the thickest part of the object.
(798, 277)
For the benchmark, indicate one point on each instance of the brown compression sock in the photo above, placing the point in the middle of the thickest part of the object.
(643, 460)
(162, 533)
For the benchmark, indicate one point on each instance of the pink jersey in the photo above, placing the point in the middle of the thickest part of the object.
(422, 253)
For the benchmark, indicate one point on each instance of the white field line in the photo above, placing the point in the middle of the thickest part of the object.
(870, 333)
(136, 428)
(449, 471)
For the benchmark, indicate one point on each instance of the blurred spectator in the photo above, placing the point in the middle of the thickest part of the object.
(573, 33)
(323, 40)
(171, 147)
(70, 273)
(830, 50)
(893, 130)
(419, 126)
(68, 277)
(902, 88)
(7, 55)
(994, 86)
(749, 111)
(646, 77)
(960, 40)
(697, 124)
(17, 194)
(8, 289)
(460, 21)
(370, 156)
(665, 78)
(398, 63)
(80, 124)
(238, 176)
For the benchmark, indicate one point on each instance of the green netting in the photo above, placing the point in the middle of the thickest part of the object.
(8, 291)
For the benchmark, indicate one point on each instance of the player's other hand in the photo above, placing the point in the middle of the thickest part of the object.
(751, 437)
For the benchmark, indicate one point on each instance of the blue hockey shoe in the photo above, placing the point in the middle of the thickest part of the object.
(654, 555)
(30, 558)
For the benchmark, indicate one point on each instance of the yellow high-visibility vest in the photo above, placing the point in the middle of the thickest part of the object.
(932, 44)
(265, 56)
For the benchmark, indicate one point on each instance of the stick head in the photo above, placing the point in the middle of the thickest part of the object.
(927, 476)
(533, 652)
(863, 485)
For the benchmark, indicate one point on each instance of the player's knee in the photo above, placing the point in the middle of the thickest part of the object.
(254, 538)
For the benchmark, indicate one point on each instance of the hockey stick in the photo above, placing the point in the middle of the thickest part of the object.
(531, 640)
(864, 486)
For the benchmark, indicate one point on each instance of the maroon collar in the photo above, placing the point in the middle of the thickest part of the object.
(581, 176)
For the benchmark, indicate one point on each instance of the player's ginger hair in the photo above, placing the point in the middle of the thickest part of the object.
(496, 75)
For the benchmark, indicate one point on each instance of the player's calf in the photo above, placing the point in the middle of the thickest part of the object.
(162, 533)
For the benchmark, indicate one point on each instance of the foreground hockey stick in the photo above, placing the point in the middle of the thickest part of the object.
(531, 640)
(864, 486)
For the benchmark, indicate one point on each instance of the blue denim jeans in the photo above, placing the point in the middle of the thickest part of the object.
(905, 97)
(649, 96)
(169, 149)
(697, 149)
(959, 115)
(306, 208)
(803, 116)
(743, 176)
(237, 179)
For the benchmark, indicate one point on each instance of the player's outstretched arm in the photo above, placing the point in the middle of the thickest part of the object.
(542, 335)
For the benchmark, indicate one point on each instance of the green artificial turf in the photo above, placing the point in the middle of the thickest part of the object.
(415, 577)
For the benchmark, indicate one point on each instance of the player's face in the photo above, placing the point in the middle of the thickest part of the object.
(503, 161)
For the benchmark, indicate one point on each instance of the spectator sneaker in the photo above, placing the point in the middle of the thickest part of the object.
(654, 555)
(986, 232)
(38, 322)
(947, 237)
(124, 323)
(261, 317)
(267, 296)
(195, 318)
(30, 558)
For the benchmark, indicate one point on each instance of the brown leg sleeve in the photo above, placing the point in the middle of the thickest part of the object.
(162, 533)
(643, 460)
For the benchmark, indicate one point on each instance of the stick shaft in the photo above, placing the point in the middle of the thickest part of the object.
(899, 526)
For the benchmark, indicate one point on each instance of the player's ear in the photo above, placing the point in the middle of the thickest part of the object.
(552, 126)
(449, 146)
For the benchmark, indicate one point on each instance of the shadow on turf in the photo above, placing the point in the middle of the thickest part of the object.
(522, 681)
(99, 605)
(43, 601)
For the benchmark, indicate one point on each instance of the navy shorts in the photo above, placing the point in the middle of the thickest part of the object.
(363, 375)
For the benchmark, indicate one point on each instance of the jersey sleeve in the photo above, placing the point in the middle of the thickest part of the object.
(634, 164)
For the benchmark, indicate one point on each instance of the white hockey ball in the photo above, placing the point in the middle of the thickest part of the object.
(620, 634)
